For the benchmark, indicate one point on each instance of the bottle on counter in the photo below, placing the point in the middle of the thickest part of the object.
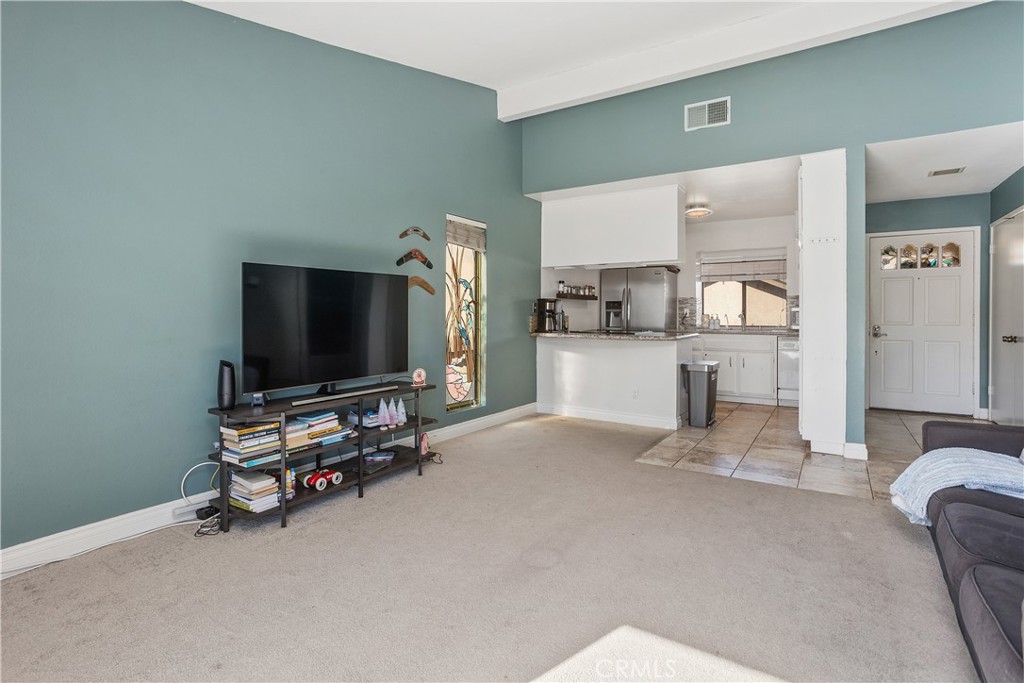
(561, 286)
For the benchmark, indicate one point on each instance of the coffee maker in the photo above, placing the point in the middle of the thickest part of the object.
(547, 315)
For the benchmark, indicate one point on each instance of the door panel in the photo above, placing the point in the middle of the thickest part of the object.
(941, 360)
(726, 370)
(921, 324)
(756, 376)
(897, 301)
(897, 359)
(1006, 404)
(942, 301)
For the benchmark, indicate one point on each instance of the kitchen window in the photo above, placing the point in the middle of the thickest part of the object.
(744, 292)
(464, 312)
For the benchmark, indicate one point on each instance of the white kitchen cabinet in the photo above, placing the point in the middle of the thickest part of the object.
(727, 375)
(746, 365)
(756, 374)
(627, 227)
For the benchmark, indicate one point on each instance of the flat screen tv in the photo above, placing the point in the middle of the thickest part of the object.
(312, 326)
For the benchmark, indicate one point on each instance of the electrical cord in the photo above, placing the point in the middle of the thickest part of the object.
(209, 527)
(190, 471)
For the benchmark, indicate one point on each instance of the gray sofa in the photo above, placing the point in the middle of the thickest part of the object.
(979, 538)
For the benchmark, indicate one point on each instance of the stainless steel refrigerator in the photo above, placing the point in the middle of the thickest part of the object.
(639, 299)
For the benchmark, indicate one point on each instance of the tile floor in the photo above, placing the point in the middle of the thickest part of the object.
(761, 443)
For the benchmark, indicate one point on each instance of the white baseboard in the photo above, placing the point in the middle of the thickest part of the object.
(855, 451)
(609, 416)
(981, 414)
(61, 546)
(830, 447)
(470, 426)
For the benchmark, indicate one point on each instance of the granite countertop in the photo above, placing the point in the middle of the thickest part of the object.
(769, 331)
(670, 335)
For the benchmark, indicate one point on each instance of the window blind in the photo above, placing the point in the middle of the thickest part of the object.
(466, 235)
(725, 271)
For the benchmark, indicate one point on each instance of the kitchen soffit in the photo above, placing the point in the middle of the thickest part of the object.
(543, 56)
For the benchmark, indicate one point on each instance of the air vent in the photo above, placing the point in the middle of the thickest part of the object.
(946, 171)
(708, 114)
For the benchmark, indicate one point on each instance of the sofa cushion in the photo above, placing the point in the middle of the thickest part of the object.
(986, 499)
(967, 535)
(990, 613)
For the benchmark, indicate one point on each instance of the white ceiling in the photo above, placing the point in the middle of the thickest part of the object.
(542, 56)
(899, 169)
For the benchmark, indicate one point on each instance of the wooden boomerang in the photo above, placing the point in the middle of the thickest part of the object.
(417, 281)
(415, 254)
(414, 230)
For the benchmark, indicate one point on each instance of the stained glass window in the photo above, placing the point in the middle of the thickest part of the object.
(929, 256)
(464, 260)
(951, 255)
(908, 257)
(888, 257)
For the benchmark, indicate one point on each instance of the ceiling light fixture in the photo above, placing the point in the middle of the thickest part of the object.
(697, 211)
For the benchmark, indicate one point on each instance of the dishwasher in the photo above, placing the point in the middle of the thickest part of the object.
(789, 371)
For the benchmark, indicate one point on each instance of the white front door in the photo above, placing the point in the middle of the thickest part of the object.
(1006, 401)
(921, 322)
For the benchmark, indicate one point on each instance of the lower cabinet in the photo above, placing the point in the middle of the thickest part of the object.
(727, 366)
(746, 365)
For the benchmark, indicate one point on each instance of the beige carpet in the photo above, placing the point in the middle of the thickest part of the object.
(534, 540)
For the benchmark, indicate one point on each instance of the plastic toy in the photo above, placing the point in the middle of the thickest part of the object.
(318, 479)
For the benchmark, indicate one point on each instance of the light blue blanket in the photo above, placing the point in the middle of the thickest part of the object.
(946, 467)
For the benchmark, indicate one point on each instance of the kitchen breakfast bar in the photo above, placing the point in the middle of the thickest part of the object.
(625, 378)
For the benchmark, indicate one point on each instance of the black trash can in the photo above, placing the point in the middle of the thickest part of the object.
(701, 377)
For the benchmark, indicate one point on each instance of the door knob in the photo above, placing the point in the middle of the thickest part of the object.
(1011, 339)
(876, 331)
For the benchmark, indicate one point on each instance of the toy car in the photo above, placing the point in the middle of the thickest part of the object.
(318, 479)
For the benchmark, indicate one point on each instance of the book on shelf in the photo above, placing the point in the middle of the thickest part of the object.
(250, 496)
(262, 505)
(253, 452)
(252, 480)
(313, 418)
(249, 443)
(370, 418)
(251, 430)
(251, 461)
(326, 431)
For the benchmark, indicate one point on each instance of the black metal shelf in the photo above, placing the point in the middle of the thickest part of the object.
(280, 410)
(405, 457)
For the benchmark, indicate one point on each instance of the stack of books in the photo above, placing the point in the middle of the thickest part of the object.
(251, 445)
(321, 429)
(257, 492)
(370, 418)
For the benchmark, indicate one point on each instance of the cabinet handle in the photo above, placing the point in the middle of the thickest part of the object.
(744, 362)
(730, 361)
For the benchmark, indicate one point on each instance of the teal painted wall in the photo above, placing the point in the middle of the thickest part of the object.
(148, 149)
(963, 211)
(1007, 196)
(904, 82)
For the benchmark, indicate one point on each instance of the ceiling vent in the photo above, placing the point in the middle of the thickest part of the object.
(708, 114)
(946, 171)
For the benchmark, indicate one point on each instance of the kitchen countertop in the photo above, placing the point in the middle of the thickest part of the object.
(769, 331)
(670, 335)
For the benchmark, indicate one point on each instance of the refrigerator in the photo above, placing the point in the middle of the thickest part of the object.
(639, 299)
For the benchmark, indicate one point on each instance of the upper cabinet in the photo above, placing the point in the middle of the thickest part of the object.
(627, 227)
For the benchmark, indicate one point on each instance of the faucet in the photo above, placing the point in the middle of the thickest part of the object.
(743, 322)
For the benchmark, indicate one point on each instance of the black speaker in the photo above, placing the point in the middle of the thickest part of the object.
(226, 386)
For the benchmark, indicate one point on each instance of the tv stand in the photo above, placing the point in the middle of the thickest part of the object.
(355, 391)
(356, 469)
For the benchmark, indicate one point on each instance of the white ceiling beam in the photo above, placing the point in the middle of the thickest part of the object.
(807, 25)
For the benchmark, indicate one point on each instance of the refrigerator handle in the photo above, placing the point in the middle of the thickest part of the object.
(629, 307)
(625, 310)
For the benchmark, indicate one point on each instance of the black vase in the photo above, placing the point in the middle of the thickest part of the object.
(226, 386)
